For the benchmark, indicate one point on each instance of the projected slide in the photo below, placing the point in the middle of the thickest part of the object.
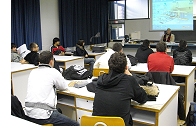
(174, 14)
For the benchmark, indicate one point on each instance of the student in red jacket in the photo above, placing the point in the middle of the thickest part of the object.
(160, 61)
(57, 49)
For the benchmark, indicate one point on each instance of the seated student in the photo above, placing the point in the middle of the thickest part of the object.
(182, 55)
(168, 36)
(80, 51)
(102, 62)
(116, 89)
(57, 49)
(143, 52)
(33, 56)
(41, 98)
(160, 61)
(15, 57)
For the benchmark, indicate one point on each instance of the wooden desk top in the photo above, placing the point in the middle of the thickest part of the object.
(166, 92)
(179, 70)
(18, 67)
(66, 58)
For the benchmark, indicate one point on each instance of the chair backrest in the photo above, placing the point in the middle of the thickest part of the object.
(101, 121)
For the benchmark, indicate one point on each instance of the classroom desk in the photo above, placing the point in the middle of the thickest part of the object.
(69, 60)
(163, 111)
(95, 55)
(194, 60)
(179, 70)
(19, 79)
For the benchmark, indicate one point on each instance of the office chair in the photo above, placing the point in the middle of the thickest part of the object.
(101, 121)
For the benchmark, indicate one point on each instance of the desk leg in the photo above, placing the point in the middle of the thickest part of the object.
(189, 90)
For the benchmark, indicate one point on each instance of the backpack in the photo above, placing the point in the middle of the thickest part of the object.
(132, 59)
(76, 72)
(191, 116)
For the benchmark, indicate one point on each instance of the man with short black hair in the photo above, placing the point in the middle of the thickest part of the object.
(115, 90)
(41, 99)
(182, 55)
(102, 61)
(160, 61)
(144, 51)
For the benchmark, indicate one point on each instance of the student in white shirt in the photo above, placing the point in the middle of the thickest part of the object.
(102, 62)
(41, 99)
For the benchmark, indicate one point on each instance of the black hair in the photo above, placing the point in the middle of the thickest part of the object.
(146, 42)
(80, 42)
(117, 47)
(32, 45)
(117, 62)
(13, 45)
(182, 44)
(161, 47)
(45, 57)
(55, 40)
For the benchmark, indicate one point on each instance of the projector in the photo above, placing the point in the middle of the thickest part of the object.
(98, 49)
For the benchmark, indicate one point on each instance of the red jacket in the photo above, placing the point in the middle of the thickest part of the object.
(160, 61)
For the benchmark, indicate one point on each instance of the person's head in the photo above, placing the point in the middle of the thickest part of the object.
(168, 31)
(117, 62)
(146, 42)
(81, 42)
(161, 47)
(46, 57)
(117, 47)
(34, 47)
(13, 47)
(56, 41)
(182, 44)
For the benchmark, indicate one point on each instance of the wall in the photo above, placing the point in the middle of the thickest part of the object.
(49, 22)
(143, 26)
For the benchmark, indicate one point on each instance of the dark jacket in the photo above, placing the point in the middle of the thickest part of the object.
(182, 56)
(114, 93)
(32, 58)
(166, 78)
(142, 53)
(16, 108)
(80, 51)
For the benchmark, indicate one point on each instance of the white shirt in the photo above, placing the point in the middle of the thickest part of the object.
(40, 89)
(102, 62)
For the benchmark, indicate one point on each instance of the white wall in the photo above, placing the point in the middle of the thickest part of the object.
(49, 22)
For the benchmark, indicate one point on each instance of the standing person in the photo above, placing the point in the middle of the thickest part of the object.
(143, 52)
(182, 55)
(160, 61)
(80, 51)
(57, 49)
(168, 36)
(41, 99)
(116, 89)
(15, 57)
(33, 56)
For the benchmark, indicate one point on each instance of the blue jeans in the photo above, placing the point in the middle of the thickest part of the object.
(91, 62)
(57, 119)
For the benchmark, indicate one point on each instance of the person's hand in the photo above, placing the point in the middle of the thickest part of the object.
(62, 53)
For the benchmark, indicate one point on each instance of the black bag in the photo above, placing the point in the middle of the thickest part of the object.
(132, 59)
(191, 116)
(76, 72)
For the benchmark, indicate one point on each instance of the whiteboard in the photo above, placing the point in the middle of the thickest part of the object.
(142, 25)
